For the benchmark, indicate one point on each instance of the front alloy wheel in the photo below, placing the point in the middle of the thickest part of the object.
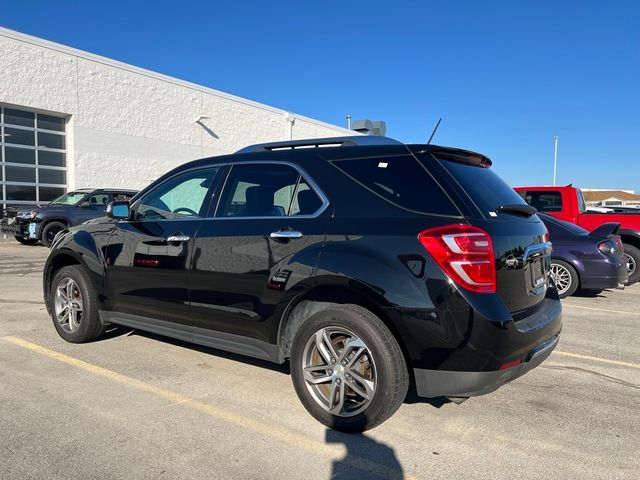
(339, 371)
(73, 305)
(68, 305)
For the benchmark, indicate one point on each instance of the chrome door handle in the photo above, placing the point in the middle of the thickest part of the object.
(178, 239)
(286, 235)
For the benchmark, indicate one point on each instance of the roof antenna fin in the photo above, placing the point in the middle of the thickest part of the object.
(435, 129)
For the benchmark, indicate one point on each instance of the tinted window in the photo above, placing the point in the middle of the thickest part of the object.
(20, 174)
(20, 155)
(50, 193)
(50, 122)
(99, 199)
(178, 197)
(50, 140)
(18, 117)
(487, 190)
(306, 201)
(122, 196)
(544, 201)
(53, 159)
(400, 180)
(20, 137)
(21, 192)
(46, 175)
(263, 190)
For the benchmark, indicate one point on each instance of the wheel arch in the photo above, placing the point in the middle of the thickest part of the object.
(329, 293)
(55, 263)
(630, 237)
(46, 221)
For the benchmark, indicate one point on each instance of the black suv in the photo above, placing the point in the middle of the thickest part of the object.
(30, 224)
(369, 264)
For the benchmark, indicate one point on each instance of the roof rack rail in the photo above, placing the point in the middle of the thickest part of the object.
(349, 141)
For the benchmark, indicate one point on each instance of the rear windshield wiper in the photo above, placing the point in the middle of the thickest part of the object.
(525, 210)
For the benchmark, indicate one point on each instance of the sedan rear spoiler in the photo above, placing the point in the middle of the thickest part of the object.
(606, 229)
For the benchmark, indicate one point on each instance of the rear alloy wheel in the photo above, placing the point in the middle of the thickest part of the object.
(50, 231)
(339, 371)
(348, 369)
(565, 278)
(632, 255)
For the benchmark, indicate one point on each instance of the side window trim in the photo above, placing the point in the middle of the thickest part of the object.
(302, 175)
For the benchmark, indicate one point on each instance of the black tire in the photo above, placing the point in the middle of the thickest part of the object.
(26, 241)
(391, 376)
(49, 232)
(573, 279)
(633, 252)
(89, 326)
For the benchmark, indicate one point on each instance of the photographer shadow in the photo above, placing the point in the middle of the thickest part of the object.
(365, 458)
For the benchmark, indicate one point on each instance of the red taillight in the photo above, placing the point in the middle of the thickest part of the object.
(610, 247)
(546, 236)
(465, 253)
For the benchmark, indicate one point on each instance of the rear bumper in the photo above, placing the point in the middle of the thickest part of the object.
(618, 280)
(438, 383)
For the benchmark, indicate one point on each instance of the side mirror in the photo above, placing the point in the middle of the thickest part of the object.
(119, 210)
(85, 204)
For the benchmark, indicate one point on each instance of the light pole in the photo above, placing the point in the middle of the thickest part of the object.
(555, 159)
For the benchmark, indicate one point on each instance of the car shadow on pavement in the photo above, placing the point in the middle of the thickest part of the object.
(365, 458)
(281, 368)
(590, 293)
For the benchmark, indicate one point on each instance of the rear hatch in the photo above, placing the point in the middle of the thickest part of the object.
(522, 255)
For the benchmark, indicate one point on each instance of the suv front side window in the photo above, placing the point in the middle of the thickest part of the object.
(183, 196)
(267, 190)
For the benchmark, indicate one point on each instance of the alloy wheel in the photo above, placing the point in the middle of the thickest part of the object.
(339, 371)
(68, 305)
(631, 264)
(561, 277)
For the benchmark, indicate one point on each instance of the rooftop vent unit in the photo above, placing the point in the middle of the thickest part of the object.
(370, 127)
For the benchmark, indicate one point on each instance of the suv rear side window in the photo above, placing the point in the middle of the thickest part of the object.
(267, 190)
(544, 201)
(400, 180)
(485, 188)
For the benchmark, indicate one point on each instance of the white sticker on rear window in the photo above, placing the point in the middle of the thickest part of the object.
(383, 165)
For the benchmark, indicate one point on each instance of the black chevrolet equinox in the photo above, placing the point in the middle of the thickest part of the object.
(368, 264)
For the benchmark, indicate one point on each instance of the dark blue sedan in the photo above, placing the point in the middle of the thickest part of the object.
(586, 260)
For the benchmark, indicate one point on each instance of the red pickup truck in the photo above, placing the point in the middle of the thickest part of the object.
(567, 203)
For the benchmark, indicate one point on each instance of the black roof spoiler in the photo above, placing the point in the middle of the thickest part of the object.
(454, 154)
(349, 141)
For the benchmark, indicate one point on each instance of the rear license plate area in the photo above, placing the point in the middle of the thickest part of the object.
(537, 273)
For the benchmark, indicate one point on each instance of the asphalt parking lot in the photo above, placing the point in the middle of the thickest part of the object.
(139, 406)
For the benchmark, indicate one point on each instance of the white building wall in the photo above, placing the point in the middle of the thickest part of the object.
(127, 125)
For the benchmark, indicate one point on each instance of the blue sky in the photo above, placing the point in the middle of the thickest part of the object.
(505, 76)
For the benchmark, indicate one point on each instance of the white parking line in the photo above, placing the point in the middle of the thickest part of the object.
(606, 310)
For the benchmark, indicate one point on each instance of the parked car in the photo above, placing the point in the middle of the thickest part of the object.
(567, 203)
(582, 260)
(363, 261)
(32, 224)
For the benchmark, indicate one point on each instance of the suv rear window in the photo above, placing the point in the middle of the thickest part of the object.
(400, 180)
(487, 190)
